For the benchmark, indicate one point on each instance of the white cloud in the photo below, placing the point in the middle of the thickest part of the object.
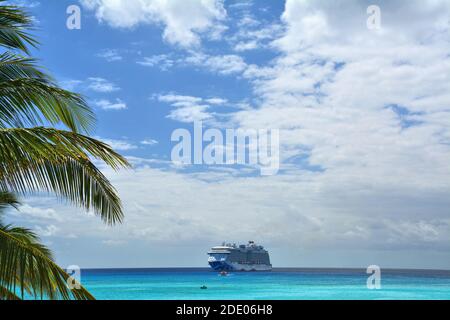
(110, 55)
(162, 61)
(48, 231)
(331, 84)
(32, 212)
(189, 108)
(119, 145)
(223, 64)
(183, 20)
(217, 101)
(149, 142)
(110, 105)
(96, 84)
(24, 3)
(178, 100)
(241, 5)
(71, 85)
(254, 34)
(190, 113)
(245, 46)
(101, 85)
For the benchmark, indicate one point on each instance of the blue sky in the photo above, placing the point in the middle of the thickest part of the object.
(119, 57)
(363, 119)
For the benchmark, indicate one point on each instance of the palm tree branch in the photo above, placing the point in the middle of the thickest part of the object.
(23, 263)
(43, 159)
(13, 23)
(14, 66)
(8, 199)
(5, 294)
(28, 101)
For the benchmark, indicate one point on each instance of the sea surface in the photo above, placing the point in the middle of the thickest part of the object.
(310, 284)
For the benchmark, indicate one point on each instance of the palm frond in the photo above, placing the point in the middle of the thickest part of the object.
(8, 199)
(26, 265)
(14, 66)
(5, 294)
(14, 23)
(50, 143)
(44, 159)
(30, 97)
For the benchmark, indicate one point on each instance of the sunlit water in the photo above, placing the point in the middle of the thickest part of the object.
(178, 284)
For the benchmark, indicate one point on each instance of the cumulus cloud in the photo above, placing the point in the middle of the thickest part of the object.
(227, 64)
(101, 85)
(48, 231)
(119, 144)
(222, 64)
(188, 108)
(162, 61)
(105, 104)
(35, 213)
(24, 3)
(110, 55)
(336, 89)
(183, 20)
(96, 84)
(149, 142)
(252, 33)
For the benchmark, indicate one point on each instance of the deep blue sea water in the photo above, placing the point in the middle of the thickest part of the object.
(312, 284)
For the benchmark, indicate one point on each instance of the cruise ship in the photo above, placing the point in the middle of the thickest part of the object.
(249, 257)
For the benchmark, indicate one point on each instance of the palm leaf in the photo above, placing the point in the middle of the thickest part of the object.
(25, 263)
(7, 199)
(14, 66)
(44, 159)
(13, 25)
(30, 97)
(5, 294)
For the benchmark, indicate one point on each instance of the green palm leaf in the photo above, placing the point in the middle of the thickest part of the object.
(40, 159)
(13, 25)
(7, 199)
(30, 97)
(44, 159)
(25, 263)
(5, 294)
(27, 266)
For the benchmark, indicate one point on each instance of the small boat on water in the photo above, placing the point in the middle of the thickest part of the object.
(223, 273)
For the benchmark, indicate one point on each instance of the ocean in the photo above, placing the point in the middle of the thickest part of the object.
(298, 284)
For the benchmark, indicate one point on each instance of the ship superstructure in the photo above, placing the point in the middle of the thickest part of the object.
(230, 257)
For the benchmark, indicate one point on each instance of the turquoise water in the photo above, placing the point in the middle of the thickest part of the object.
(311, 284)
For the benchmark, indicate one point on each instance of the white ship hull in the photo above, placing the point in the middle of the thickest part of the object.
(242, 258)
(223, 265)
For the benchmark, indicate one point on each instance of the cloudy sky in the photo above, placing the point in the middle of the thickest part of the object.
(363, 116)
